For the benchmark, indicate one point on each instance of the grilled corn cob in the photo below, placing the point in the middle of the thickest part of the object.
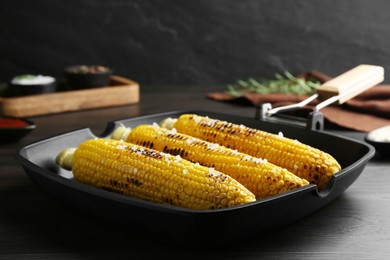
(259, 176)
(303, 160)
(147, 174)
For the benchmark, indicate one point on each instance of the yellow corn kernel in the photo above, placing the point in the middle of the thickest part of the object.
(246, 169)
(303, 160)
(148, 174)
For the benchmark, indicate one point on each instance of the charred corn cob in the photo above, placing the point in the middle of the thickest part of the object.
(147, 174)
(259, 176)
(303, 160)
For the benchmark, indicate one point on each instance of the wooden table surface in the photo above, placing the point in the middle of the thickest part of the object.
(34, 225)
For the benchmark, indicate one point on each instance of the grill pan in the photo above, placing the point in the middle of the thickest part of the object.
(185, 226)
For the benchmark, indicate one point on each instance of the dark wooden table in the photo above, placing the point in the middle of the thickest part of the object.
(33, 225)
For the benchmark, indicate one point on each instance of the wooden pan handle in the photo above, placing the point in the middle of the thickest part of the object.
(352, 82)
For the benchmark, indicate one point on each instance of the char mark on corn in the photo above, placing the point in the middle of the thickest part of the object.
(258, 175)
(148, 174)
(303, 160)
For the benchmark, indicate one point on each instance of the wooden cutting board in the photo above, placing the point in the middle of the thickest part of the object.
(122, 91)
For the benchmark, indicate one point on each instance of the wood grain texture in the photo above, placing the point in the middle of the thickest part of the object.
(121, 92)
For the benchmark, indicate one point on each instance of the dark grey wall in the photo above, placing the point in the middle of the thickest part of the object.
(193, 41)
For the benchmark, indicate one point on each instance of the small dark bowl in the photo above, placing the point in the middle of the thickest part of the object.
(15, 89)
(15, 133)
(78, 77)
(382, 147)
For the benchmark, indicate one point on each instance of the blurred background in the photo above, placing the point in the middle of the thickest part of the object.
(193, 41)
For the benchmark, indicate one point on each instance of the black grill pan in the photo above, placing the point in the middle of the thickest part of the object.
(185, 226)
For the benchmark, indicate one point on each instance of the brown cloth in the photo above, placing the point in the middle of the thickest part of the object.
(365, 112)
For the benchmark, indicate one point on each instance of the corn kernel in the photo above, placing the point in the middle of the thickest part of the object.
(277, 149)
(246, 169)
(110, 165)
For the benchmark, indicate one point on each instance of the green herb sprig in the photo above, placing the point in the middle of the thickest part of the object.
(286, 84)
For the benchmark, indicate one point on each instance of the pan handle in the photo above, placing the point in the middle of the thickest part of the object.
(351, 83)
(339, 89)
